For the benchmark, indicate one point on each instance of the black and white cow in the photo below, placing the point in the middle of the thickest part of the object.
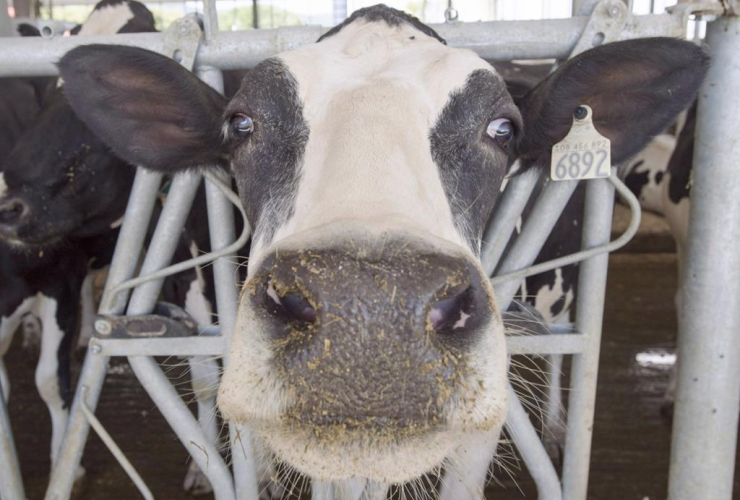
(65, 194)
(62, 195)
(368, 342)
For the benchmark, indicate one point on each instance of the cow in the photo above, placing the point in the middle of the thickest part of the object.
(62, 198)
(368, 342)
(73, 191)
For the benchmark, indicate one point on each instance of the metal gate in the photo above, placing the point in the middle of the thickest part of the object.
(707, 406)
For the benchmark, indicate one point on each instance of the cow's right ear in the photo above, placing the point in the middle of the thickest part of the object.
(150, 110)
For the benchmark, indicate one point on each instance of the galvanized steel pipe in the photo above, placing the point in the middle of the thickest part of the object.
(494, 40)
(708, 390)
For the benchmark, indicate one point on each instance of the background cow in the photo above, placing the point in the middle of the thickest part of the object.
(368, 343)
(62, 198)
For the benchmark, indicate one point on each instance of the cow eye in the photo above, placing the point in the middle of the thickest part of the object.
(241, 124)
(500, 129)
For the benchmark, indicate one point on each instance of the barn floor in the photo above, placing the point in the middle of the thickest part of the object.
(631, 440)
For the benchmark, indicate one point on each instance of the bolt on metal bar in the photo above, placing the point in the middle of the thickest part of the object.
(114, 449)
(629, 233)
(705, 421)
(508, 211)
(597, 223)
(534, 455)
(494, 40)
(165, 240)
(11, 482)
(177, 414)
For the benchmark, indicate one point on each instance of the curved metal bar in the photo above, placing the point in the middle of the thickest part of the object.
(198, 261)
(113, 448)
(632, 228)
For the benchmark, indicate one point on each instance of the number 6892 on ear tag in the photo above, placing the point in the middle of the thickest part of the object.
(584, 153)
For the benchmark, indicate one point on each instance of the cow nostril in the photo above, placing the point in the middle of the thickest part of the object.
(452, 312)
(290, 306)
(11, 211)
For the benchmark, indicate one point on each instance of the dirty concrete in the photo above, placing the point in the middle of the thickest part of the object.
(631, 440)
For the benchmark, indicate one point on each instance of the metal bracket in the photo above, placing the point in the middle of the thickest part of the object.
(182, 39)
(167, 321)
(719, 8)
(605, 25)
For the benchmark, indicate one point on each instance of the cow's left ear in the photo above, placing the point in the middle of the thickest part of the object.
(636, 89)
(146, 107)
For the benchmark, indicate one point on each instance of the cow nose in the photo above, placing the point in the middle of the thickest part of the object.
(12, 211)
(371, 336)
(434, 291)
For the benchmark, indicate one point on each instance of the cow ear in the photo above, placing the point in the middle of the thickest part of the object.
(636, 89)
(150, 110)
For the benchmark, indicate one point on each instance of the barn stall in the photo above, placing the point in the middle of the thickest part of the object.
(702, 456)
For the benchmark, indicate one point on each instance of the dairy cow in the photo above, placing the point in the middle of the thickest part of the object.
(62, 197)
(368, 342)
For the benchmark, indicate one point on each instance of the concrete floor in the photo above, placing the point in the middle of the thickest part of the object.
(631, 439)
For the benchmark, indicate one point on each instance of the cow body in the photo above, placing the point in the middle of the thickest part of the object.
(368, 343)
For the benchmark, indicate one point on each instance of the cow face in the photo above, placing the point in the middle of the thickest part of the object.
(61, 181)
(368, 341)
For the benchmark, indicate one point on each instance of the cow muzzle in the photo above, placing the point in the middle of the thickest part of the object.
(366, 347)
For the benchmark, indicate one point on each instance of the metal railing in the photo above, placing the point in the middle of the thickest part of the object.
(715, 225)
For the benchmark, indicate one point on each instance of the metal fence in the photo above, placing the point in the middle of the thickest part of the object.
(708, 402)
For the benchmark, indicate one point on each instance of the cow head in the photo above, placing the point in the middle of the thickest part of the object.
(60, 180)
(368, 340)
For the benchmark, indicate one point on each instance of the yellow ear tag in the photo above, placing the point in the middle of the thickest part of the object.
(584, 153)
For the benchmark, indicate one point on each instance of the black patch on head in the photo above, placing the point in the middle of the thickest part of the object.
(72, 183)
(142, 22)
(659, 177)
(382, 13)
(266, 163)
(635, 180)
(682, 159)
(25, 29)
(471, 164)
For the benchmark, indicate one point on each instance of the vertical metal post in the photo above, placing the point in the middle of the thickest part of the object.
(708, 391)
(6, 26)
(73, 444)
(508, 211)
(221, 227)
(597, 223)
(524, 251)
(131, 238)
(165, 240)
(11, 482)
(22, 8)
(339, 11)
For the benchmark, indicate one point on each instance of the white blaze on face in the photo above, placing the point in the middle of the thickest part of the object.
(107, 20)
(3, 185)
(371, 95)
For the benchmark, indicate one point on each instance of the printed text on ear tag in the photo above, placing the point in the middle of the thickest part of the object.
(584, 153)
